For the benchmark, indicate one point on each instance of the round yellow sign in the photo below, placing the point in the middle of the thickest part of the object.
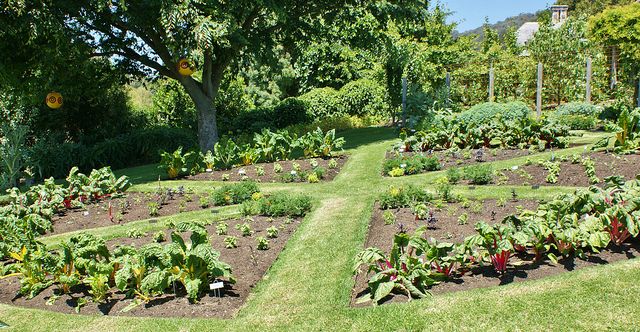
(54, 100)
(185, 68)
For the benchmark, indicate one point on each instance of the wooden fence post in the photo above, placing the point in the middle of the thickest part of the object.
(404, 102)
(589, 74)
(448, 85)
(638, 104)
(614, 67)
(539, 92)
(491, 83)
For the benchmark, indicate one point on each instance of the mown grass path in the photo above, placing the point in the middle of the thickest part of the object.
(308, 288)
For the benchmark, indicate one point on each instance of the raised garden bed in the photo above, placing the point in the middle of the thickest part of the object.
(269, 172)
(448, 229)
(247, 262)
(131, 207)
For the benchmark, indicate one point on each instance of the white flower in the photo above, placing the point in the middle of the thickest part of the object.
(294, 173)
(403, 165)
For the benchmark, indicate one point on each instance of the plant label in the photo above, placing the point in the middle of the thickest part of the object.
(216, 285)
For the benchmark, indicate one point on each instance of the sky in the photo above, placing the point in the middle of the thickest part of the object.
(470, 14)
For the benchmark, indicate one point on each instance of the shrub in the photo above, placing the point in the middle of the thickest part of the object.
(290, 111)
(234, 193)
(576, 122)
(403, 196)
(364, 97)
(411, 165)
(480, 174)
(323, 102)
(454, 175)
(487, 112)
(583, 109)
(283, 204)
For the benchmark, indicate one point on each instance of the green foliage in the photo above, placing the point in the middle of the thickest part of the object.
(283, 204)
(230, 242)
(403, 196)
(411, 165)
(363, 97)
(272, 232)
(245, 229)
(487, 112)
(454, 175)
(324, 102)
(389, 217)
(479, 174)
(234, 193)
(262, 243)
(12, 153)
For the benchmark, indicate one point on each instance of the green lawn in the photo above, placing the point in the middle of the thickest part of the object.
(309, 286)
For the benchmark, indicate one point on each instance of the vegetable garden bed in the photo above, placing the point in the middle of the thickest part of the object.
(281, 171)
(132, 207)
(574, 173)
(247, 262)
(447, 228)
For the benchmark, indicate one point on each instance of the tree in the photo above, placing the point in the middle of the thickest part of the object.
(618, 27)
(154, 35)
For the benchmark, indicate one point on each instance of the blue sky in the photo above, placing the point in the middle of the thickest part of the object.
(470, 14)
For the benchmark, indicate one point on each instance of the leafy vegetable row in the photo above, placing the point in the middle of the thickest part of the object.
(267, 146)
(570, 225)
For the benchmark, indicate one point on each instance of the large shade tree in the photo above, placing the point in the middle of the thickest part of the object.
(151, 36)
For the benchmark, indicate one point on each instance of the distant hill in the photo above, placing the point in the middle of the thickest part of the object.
(502, 26)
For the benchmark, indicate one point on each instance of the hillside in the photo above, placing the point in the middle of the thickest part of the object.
(502, 26)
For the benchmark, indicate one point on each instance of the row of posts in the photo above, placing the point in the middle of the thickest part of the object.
(589, 76)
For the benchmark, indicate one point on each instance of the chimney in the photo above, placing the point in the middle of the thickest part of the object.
(559, 14)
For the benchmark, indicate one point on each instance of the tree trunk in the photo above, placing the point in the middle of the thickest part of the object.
(207, 124)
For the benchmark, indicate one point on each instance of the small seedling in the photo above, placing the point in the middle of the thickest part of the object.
(225, 177)
(272, 232)
(260, 171)
(153, 209)
(204, 202)
(230, 242)
(245, 229)
(277, 168)
(135, 233)
(463, 219)
(389, 217)
(221, 228)
(263, 243)
(333, 164)
(159, 237)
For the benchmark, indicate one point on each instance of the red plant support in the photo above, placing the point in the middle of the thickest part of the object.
(110, 212)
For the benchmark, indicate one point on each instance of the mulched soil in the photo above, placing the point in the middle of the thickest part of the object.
(573, 175)
(250, 172)
(461, 159)
(131, 207)
(248, 264)
(449, 230)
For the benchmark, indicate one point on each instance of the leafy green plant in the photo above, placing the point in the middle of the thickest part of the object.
(263, 243)
(272, 232)
(222, 228)
(230, 242)
(233, 193)
(135, 233)
(153, 208)
(173, 163)
(283, 204)
(388, 217)
(479, 174)
(454, 175)
(245, 229)
(403, 196)
(159, 237)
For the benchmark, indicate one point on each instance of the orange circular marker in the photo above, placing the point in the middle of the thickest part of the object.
(54, 100)
(185, 67)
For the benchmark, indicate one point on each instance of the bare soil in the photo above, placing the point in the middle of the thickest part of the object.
(132, 207)
(249, 265)
(449, 230)
(270, 175)
(573, 175)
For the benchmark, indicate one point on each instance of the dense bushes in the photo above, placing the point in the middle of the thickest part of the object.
(51, 158)
(362, 98)
(577, 115)
(487, 112)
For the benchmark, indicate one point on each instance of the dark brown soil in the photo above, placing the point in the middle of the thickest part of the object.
(250, 172)
(461, 159)
(248, 264)
(573, 175)
(449, 230)
(132, 207)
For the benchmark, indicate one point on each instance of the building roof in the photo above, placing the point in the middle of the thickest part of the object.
(526, 32)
